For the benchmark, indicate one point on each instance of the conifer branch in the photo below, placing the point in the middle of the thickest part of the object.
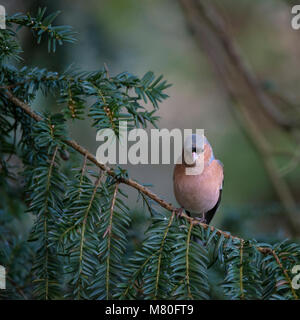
(136, 273)
(108, 233)
(160, 254)
(187, 266)
(45, 221)
(285, 274)
(73, 144)
(83, 229)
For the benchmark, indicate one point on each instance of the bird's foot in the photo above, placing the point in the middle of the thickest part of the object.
(179, 212)
(202, 219)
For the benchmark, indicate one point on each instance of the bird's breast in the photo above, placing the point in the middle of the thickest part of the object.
(198, 193)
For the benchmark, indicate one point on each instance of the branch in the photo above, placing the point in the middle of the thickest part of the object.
(45, 215)
(285, 274)
(108, 232)
(148, 193)
(82, 234)
(160, 254)
(73, 144)
(187, 262)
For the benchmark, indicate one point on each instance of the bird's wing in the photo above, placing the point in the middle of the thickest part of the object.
(222, 166)
(210, 214)
(220, 163)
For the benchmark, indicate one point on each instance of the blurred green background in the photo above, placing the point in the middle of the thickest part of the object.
(138, 36)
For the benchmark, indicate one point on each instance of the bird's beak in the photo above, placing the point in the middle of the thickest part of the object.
(194, 156)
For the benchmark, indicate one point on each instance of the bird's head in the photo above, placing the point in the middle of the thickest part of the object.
(196, 148)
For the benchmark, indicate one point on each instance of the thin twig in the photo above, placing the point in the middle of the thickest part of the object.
(108, 232)
(83, 228)
(82, 175)
(160, 253)
(187, 262)
(46, 231)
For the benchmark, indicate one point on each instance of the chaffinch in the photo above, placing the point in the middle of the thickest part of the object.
(198, 180)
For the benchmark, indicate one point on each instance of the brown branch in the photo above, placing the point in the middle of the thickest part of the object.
(168, 206)
(147, 192)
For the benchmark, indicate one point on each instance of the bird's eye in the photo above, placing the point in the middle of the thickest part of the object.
(194, 149)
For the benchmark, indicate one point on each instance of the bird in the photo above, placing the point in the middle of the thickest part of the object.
(198, 179)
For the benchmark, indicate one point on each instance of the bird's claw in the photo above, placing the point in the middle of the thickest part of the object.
(201, 220)
(179, 212)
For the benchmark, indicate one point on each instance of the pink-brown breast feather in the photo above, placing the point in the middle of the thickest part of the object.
(198, 193)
